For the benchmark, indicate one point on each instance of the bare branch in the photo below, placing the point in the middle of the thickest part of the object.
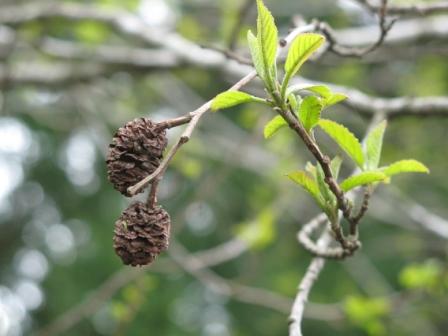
(324, 252)
(342, 50)
(413, 9)
(305, 286)
(185, 137)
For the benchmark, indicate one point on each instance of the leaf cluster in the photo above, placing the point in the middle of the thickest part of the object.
(307, 103)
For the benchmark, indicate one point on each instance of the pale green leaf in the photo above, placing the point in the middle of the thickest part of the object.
(405, 166)
(301, 49)
(362, 179)
(335, 166)
(293, 102)
(273, 126)
(309, 184)
(345, 139)
(321, 90)
(335, 98)
(231, 98)
(330, 98)
(374, 144)
(255, 52)
(309, 112)
(323, 187)
(267, 35)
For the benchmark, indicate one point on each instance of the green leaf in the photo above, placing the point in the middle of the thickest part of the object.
(321, 90)
(335, 98)
(309, 184)
(374, 144)
(293, 102)
(362, 179)
(273, 126)
(255, 52)
(231, 98)
(335, 166)
(345, 139)
(301, 49)
(309, 112)
(324, 91)
(405, 166)
(323, 187)
(267, 36)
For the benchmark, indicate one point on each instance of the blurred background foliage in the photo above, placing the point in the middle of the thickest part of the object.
(57, 208)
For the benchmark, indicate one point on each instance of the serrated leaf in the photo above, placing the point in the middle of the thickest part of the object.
(335, 98)
(309, 184)
(374, 144)
(321, 90)
(267, 36)
(231, 98)
(309, 112)
(362, 179)
(345, 139)
(255, 52)
(301, 49)
(273, 126)
(405, 166)
(335, 166)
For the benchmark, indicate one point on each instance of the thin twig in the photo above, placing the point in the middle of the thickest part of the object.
(196, 116)
(412, 9)
(346, 51)
(305, 286)
(185, 137)
(324, 162)
(361, 212)
(304, 239)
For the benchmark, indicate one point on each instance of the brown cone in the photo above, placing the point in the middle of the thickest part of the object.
(135, 152)
(141, 234)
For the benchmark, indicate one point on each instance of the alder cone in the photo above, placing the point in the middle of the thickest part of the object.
(141, 234)
(135, 152)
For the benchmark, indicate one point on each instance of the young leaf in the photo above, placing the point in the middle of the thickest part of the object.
(374, 144)
(345, 139)
(231, 98)
(267, 36)
(255, 52)
(335, 166)
(362, 179)
(321, 90)
(301, 49)
(335, 98)
(405, 166)
(309, 184)
(330, 98)
(273, 126)
(309, 112)
(323, 187)
(293, 102)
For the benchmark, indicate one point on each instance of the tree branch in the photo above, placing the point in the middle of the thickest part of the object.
(342, 50)
(413, 9)
(305, 286)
